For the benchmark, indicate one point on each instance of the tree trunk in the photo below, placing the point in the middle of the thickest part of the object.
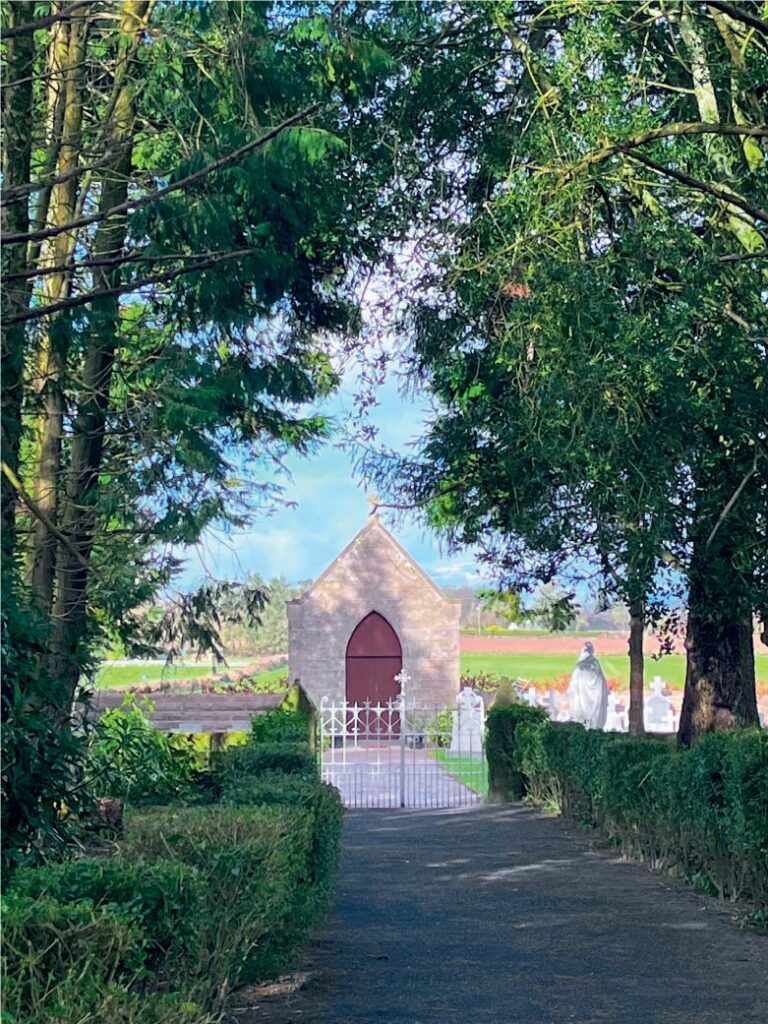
(636, 668)
(79, 507)
(67, 64)
(720, 670)
(17, 100)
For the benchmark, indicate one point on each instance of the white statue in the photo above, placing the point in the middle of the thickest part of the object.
(588, 690)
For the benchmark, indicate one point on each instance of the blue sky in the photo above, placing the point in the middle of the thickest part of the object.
(299, 542)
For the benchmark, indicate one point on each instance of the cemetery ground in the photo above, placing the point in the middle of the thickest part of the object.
(545, 659)
(497, 914)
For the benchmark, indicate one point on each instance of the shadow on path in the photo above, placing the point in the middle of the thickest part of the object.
(495, 915)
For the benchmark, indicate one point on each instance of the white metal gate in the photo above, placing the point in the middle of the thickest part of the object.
(402, 754)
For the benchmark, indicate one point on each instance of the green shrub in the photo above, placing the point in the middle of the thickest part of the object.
(130, 759)
(164, 900)
(633, 792)
(280, 726)
(505, 777)
(270, 789)
(253, 760)
(440, 729)
(43, 746)
(486, 682)
(541, 785)
(80, 999)
(49, 948)
(254, 862)
(320, 800)
(700, 812)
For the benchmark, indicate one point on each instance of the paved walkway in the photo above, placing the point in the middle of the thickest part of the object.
(369, 777)
(499, 916)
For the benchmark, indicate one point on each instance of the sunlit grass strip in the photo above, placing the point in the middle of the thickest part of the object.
(472, 772)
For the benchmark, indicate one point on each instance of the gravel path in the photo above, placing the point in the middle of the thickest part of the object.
(495, 915)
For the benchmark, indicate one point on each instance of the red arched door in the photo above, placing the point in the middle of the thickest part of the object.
(374, 658)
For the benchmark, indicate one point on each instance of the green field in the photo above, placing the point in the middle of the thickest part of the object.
(139, 674)
(540, 668)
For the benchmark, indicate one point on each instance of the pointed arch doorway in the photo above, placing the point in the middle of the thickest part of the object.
(374, 658)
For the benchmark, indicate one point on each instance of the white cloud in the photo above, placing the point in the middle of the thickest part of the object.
(299, 542)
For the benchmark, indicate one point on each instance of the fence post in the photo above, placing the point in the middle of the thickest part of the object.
(402, 678)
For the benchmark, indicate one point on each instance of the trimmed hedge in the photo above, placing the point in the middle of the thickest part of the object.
(163, 900)
(197, 901)
(320, 800)
(67, 962)
(254, 867)
(253, 760)
(700, 812)
(506, 780)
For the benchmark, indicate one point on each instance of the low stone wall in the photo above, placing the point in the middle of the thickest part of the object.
(192, 713)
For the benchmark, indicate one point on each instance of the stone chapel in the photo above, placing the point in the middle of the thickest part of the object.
(371, 614)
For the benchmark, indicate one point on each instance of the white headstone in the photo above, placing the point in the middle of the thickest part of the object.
(658, 710)
(551, 703)
(468, 725)
(616, 719)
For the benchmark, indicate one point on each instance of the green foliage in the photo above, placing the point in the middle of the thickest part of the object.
(321, 801)
(588, 312)
(505, 603)
(440, 729)
(701, 812)
(254, 867)
(198, 900)
(49, 948)
(162, 900)
(42, 748)
(130, 759)
(280, 726)
(268, 634)
(252, 760)
(505, 776)
(541, 784)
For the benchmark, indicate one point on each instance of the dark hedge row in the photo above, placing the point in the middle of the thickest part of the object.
(701, 812)
(197, 901)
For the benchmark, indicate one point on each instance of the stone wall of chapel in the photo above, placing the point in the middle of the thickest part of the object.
(374, 575)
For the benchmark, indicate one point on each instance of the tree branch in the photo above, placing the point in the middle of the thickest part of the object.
(733, 499)
(36, 312)
(104, 264)
(38, 513)
(723, 194)
(136, 204)
(738, 14)
(19, 192)
(65, 14)
(759, 131)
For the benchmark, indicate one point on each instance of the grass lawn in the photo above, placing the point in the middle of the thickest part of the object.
(541, 668)
(470, 770)
(138, 673)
